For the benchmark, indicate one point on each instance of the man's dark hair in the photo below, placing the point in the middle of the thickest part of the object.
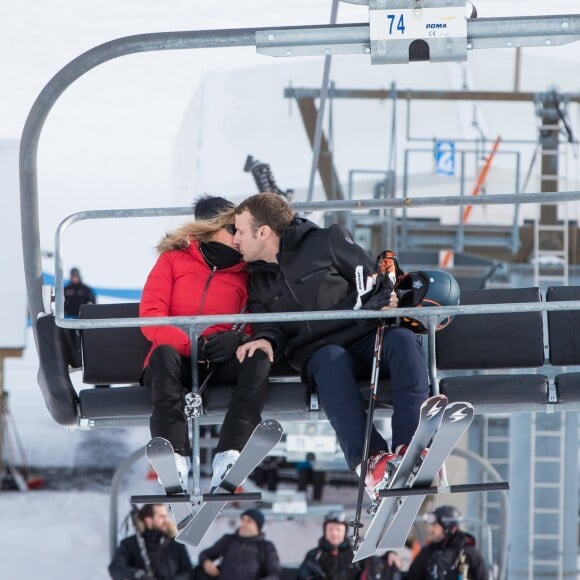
(268, 209)
(147, 511)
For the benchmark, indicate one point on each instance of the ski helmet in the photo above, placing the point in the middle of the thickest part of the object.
(336, 517)
(427, 288)
(447, 516)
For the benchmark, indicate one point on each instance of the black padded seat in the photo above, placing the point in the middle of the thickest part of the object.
(116, 355)
(568, 387)
(564, 327)
(113, 355)
(494, 342)
(508, 391)
(115, 402)
(564, 336)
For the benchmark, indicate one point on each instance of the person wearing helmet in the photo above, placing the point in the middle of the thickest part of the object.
(451, 554)
(332, 559)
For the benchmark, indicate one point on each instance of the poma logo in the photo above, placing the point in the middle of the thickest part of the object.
(438, 25)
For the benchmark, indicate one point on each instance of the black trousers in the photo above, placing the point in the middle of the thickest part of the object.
(168, 374)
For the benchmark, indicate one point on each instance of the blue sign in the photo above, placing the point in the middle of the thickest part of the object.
(444, 158)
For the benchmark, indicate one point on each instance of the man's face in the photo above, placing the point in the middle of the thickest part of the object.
(248, 527)
(246, 240)
(435, 532)
(75, 279)
(159, 521)
(335, 533)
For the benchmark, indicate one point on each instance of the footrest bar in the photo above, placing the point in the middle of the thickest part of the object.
(257, 496)
(462, 488)
(160, 498)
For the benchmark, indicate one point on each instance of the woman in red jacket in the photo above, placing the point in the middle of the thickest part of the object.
(199, 272)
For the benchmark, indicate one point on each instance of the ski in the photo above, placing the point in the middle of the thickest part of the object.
(264, 438)
(160, 455)
(430, 417)
(456, 420)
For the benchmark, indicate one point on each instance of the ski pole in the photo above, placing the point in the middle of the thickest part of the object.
(368, 429)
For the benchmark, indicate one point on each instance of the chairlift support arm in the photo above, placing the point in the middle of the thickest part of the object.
(301, 41)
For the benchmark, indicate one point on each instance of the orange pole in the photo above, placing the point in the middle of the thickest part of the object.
(475, 191)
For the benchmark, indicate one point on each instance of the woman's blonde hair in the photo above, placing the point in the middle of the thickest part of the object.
(200, 231)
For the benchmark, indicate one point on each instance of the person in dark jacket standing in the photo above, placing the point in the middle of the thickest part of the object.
(245, 555)
(451, 554)
(76, 294)
(294, 265)
(332, 559)
(165, 558)
(200, 272)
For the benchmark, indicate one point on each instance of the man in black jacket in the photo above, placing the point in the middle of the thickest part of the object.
(332, 559)
(76, 293)
(451, 554)
(294, 266)
(245, 555)
(165, 559)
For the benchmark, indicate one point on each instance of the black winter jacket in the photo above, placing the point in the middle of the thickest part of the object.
(169, 559)
(244, 558)
(439, 561)
(75, 295)
(315, 271)
(329, 562)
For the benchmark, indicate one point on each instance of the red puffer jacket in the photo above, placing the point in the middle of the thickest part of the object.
(182, 284)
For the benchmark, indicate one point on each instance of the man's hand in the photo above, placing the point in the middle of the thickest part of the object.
(249, 348)
(210, 568)
(393, 560)
(393, 301)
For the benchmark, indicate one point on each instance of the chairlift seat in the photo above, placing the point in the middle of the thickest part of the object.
(491, 343)
(564, 340)
(116, 355)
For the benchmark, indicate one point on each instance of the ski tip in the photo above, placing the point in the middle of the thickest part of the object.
(158, 442)
(271, 424)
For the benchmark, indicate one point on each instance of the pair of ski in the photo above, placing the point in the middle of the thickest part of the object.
(191, 526)
(441, 426)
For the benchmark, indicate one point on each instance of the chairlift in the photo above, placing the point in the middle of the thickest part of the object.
(113, 347)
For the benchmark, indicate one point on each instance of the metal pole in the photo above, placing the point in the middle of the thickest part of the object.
(118, 476)
(194, 423)
(320, 115)
(495, 476)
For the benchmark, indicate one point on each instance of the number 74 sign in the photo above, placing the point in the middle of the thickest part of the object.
(446, 22)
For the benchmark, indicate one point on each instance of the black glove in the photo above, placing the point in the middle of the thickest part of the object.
(222, 346)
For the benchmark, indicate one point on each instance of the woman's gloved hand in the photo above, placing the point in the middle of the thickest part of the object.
(222, 346)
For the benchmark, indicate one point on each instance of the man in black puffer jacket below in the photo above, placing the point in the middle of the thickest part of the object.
(332, 559)
(245, 555)
(451, 553)
(165, 559)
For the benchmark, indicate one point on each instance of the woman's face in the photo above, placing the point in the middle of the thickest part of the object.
(225, 235)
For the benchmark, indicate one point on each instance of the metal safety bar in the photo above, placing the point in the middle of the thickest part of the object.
(339, 205)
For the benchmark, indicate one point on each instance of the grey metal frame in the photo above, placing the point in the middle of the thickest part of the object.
(294, 41)
(460, 235)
